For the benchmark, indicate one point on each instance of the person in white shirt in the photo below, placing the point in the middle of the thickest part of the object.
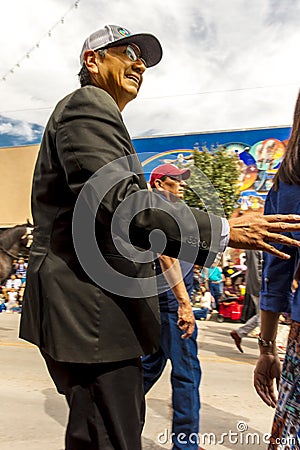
(203, 304)
(12, 284)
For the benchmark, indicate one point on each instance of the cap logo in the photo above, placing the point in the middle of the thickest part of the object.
(123, 32)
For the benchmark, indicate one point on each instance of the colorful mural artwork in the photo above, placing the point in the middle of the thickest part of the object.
(260, 153)
(258, 165)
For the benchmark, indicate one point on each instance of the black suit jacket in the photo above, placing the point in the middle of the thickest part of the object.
(66, 312)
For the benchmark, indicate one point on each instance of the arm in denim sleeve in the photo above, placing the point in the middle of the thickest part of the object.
(278, 274)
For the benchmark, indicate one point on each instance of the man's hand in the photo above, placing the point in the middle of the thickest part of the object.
(255, 232)
(186, 318)
(267, 370)
(172, 272)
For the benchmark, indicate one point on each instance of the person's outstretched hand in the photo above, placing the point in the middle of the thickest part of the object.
(256, 232)
(267, 370)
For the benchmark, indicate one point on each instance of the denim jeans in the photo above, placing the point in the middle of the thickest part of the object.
(185, 380)
(200, 313)
(215, 292)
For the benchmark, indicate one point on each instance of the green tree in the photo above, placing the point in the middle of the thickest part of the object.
(213, 182)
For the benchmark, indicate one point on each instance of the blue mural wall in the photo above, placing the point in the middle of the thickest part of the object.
(260, 153)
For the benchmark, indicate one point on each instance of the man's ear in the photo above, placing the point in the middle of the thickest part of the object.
(90, 60)
(158, 185)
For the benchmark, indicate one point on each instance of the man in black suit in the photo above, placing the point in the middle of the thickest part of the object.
(90, 303)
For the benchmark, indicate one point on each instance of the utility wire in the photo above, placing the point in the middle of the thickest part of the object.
(220, 91)
(217, 91)
(18, 64)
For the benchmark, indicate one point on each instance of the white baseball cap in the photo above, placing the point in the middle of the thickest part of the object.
(114, 35)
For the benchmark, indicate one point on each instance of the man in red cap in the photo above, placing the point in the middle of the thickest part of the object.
(168, 171)
(178, 326)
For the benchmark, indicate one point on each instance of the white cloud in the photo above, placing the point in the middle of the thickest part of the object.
(213, 52)
(6, 128)
(19, 129)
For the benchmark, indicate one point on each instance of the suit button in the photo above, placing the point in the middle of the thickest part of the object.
(204, 245)
(153, 265)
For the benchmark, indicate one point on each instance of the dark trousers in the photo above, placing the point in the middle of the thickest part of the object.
(106, 402)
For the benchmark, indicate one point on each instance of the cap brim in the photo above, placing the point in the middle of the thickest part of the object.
(149, 45)
(184, 173)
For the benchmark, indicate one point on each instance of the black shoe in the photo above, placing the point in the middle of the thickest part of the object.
(237, 340)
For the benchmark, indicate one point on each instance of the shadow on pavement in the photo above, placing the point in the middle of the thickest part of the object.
(219, 429)
(230, 431)
(148, 444)
(55, 406)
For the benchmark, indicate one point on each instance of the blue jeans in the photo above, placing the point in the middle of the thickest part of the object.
(200, 313)
(185, 380)
(215, 292)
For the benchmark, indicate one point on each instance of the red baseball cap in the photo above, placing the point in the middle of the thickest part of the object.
(168, 170)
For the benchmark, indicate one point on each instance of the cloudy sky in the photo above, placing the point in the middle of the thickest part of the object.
(227, 64)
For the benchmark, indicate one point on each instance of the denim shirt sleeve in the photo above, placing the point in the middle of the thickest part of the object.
(276, 289)
(278, 274)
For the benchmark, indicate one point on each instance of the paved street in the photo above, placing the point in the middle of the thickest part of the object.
(33, 415)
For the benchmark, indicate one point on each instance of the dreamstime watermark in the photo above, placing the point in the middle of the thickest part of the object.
(240, 436)
(114, 189)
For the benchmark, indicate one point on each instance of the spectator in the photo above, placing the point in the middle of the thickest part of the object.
(197, 279)
(11, 303)
(230, 271)
(21, 268)
(253, 284)
(21, 293)
(230, 289)
(242, 287)
(14, 266)
(215, 278)
(202, 305)
(13, 284)
(277, 296)
(178, 328)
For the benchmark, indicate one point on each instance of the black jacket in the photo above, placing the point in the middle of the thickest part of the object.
(73, 316)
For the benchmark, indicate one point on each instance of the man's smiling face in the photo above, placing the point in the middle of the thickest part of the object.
(119, 74)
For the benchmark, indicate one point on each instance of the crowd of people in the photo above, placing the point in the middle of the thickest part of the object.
(12, 289)
(238, 283)
(203, 299)
(222, 282)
